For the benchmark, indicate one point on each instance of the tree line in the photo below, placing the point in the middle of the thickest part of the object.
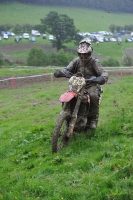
(105, 5)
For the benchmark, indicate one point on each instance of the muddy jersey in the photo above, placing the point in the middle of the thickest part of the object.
(91, 68)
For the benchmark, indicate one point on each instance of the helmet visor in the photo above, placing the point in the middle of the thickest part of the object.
(83, 56)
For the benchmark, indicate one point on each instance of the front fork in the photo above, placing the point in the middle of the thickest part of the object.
(74, 114)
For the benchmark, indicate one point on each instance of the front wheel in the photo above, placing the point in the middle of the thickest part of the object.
(59, 138)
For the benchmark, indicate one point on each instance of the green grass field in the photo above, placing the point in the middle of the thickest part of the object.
(103, 51)
(100, 168)
(97, 168)
(84, 19)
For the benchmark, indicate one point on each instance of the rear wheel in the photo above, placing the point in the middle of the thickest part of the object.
(59, 138)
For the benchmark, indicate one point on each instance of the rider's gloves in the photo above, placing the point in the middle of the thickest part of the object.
(100, 80)
(59, 73)
(67, 75)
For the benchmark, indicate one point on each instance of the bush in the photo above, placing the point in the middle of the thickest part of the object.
(39, 58)
(110, 62)
(36, 57)
(127, 61)
(1, 59)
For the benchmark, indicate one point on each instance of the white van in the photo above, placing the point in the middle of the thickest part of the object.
(5, 36)
(35, 33)
(26, 36)
(51, 37)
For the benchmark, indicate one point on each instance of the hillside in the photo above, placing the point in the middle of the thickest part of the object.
(105, 5)
(100, 167)
(84, 19)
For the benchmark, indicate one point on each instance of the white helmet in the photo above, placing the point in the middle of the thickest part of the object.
(84, 47)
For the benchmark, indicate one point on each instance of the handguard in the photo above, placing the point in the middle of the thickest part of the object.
(99, 80)
(59, 74)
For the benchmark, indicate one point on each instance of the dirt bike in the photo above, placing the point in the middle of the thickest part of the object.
(75, 109)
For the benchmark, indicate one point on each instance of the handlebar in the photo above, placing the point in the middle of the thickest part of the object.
(68, 74)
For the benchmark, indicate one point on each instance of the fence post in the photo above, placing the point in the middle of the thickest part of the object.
(12, 82)
(121, 72)
(51, 77)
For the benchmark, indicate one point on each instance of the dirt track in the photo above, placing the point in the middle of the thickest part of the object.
(17, 82)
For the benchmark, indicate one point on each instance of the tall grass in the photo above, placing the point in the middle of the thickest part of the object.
(100, 167)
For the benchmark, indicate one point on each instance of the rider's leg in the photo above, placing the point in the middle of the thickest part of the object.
(94, 93)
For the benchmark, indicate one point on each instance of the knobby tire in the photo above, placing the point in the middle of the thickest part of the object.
(59, 139)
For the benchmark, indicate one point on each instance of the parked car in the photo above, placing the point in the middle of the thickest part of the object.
(18, 38)
(103, 32)
(128, 40)
(113, 40)
(44, 36)
(32, 39)
(8, 33)
(122, 32)
(26, 36)
(106, 39)
(86, 34)
(35, 33)
(51, 37)
(12, 34)
(5, 36)
(131, 39)
(81, 34)
(116, 35)
(110, 33)
(100, 39)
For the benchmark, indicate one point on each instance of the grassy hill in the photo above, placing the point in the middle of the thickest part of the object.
(84, 19)
(97, 168)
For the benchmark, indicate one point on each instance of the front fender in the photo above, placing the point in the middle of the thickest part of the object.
(67, 96)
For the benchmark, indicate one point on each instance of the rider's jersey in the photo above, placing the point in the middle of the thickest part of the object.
(91, 68)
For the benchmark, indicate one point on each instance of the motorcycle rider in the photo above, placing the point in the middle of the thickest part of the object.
(90, 67)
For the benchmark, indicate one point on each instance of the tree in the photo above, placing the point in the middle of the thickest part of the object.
(112, 27)
(61, 26)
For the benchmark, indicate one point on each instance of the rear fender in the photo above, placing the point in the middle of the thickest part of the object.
(67, 96)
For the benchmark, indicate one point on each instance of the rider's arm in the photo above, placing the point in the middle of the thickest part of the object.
(67, 71)
(99, 80)
(72, 67)
(102, 75)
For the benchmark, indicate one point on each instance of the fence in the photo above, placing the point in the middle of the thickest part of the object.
(15, 82)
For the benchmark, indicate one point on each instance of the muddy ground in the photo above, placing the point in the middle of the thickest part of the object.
(17, 82)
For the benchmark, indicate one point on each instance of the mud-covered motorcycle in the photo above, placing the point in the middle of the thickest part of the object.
(75, 109)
